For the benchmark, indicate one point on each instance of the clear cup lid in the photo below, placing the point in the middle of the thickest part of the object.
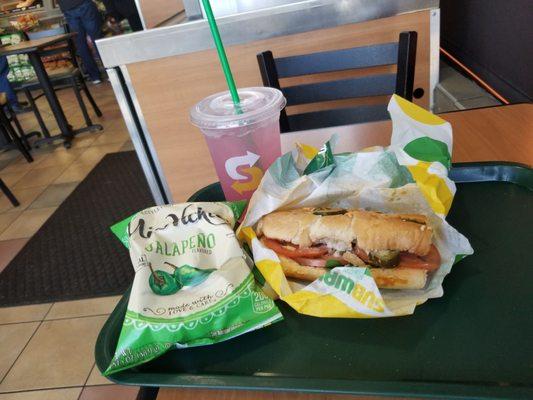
(218, 111)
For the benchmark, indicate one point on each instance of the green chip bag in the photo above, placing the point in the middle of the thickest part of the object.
(193, 283)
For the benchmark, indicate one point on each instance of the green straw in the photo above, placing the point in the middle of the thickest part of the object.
(221, 53)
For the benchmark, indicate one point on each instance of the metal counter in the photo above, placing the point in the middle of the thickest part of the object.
(119, 51)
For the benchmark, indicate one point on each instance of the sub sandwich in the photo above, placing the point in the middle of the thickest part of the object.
(397, 248)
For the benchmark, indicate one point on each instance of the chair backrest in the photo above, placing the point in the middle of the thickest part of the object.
(401, 53)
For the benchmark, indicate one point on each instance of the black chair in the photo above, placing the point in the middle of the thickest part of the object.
(401, 53)
(9, 194)
(68, 77)
(10, 135)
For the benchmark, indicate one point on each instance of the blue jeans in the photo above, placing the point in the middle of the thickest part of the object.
(5, 86)
(85, 20)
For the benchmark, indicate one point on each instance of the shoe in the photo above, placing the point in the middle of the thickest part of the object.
(21, 109)
(96, 81)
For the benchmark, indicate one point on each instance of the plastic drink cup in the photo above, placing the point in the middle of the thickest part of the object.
(243, 142)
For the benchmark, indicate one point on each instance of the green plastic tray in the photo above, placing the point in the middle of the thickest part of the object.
(474, 342)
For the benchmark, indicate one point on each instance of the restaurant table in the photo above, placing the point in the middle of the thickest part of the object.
(502, 133)
(32, 49)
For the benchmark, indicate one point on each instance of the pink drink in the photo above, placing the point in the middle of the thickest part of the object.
(242, 145)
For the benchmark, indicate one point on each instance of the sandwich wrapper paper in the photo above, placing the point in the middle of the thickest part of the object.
(410, 176)
(193, 283)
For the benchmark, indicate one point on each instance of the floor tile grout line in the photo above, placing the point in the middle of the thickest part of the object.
(32, 187)
(68, 164)
(29, 237)
(42, 389)
(15, 159)
(47, 186)
(56, 319)
(48, 312)
(38, 208)
(20, 353)
(18, 180)
(37, 166)
(478, 96)
(8, 225)
(86, 380)
(92, 145)
(50, 183)
(107, 384)
(21, 322)
(65, 387)
(29, 305)
(26, 345)
(16, 238)
(77, 317)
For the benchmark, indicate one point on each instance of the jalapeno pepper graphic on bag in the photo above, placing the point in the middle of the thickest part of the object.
(162, 283)
(187, 275)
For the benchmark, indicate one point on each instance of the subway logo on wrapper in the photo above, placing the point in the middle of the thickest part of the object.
(423, 143)
(193, 284)
(366, 296)
(360, 289)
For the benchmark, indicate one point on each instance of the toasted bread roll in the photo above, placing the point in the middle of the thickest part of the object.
(386, 278)
(375, 231)
(290, 226)
(334, 230)
(399, 278)
(292, 269)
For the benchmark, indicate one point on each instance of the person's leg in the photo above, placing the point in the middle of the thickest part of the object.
(92, 22)
(129, 10)
(5, 86)
(74, 19)
(135, 22)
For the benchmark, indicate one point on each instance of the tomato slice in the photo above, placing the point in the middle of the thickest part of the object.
(305, 252)
(429, 262)
(311, 262)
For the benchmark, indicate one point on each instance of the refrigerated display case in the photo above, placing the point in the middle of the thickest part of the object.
(15, 7)
(46, 11)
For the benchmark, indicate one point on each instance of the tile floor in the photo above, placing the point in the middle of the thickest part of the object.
(457, 92)
(47, 350)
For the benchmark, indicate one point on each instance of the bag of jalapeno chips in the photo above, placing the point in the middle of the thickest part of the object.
(193, 283)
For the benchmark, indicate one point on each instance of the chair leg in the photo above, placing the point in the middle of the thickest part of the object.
(6, 125)
(81, 103)
(37, 113)
(21, 132)
(9, 194)
(90, 98)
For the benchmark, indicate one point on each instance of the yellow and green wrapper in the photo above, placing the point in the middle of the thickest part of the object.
(410, 176)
